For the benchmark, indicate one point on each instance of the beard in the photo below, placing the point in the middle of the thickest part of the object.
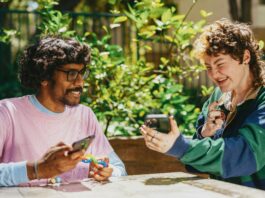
(69, 100)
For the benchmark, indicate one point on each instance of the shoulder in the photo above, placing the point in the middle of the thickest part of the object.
(12, 103)
(10, 108)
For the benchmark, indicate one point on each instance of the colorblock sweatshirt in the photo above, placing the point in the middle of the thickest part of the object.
(237, 154)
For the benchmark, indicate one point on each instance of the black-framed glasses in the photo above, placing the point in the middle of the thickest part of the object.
(73, 74)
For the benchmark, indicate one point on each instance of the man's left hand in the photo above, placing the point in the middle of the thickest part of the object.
(99, 172)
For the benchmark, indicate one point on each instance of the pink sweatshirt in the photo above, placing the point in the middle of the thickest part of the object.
(26, 133)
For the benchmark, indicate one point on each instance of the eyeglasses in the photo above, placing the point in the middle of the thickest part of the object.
(73, 74)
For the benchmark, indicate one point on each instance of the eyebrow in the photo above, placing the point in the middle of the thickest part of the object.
(73, 69)
(215, 62)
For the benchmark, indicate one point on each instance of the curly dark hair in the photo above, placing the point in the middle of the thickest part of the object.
(39, 61)
(233, 39)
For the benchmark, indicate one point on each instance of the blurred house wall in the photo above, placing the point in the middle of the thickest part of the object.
(220, 10)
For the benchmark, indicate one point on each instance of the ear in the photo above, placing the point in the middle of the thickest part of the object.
(246, 57)
(44, 83)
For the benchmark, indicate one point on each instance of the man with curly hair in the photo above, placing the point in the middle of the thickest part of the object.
(230, 139)
(36, 130)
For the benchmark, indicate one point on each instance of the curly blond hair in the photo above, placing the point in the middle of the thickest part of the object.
(226, 37)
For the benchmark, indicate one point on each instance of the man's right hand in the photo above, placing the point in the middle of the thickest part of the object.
(55, 162)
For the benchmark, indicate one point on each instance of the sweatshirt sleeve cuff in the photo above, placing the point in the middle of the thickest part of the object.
(20, 172)
(199, 135)
(179, 148)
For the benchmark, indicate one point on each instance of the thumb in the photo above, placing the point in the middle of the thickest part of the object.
(173, 125)
(106, 159)
(60, 144)
(213, 106)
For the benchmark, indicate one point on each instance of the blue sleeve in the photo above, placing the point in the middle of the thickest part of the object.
(238, 159)
(13, 174)
(117, 165)
(199, 125)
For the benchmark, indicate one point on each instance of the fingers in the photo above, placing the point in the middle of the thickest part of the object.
(214, 127)
(105, 172)
(105, 159)
(211, 126)
(218, 124)
(100, 178)
(213, 106)
(55, 161)
(173, 124)
(150, 133)
(61, 144)
(160, 142)
(213, 114)
(57, 151)
(153, 144)
(77, 155)
(101, 173)
(154, 141)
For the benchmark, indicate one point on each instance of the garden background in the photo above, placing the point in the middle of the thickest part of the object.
(142, 61)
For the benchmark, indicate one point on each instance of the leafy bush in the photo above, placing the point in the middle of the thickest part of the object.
(122, 91)
(160, 24)
(115, 88)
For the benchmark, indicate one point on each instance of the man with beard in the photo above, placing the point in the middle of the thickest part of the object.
(36, 131)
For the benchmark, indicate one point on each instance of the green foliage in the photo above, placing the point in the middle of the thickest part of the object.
(6, 35)
(206, 91)
(53, 21)
(261, 44)
(115, 89)
(172, 100)
(10, 89)
(162, 24)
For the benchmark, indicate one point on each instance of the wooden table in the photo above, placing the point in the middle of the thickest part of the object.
(161, 185)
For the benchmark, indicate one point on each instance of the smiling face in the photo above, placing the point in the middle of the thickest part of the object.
(59, 91)
(227, 73)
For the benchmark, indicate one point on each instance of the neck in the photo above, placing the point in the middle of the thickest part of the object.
(48, 103)
(243, 90)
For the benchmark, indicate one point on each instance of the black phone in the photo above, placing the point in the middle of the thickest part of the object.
(159, 122)
(82, 144)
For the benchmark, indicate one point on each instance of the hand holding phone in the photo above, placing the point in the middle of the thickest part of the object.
(82, 144)
(159, 122)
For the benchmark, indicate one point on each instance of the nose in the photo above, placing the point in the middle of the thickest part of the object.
(214, 73)
(79, 80)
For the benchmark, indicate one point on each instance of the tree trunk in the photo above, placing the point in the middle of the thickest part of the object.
(233, 10)
(246, 11)
(243, 14)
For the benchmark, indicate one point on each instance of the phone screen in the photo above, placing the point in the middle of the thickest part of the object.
(159, 122)
(82, 144)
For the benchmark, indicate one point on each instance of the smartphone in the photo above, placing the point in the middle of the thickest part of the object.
(159, 122)
(82, 144)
